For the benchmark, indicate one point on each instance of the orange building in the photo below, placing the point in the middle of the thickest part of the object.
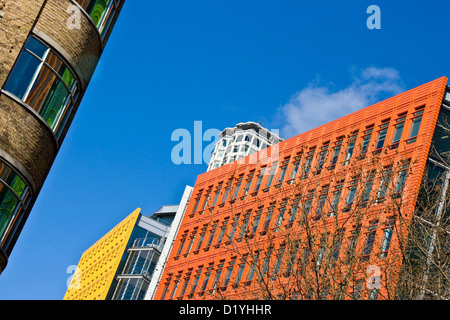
(322, 215)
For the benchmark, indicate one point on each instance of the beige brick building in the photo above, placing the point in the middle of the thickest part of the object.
(49, 50)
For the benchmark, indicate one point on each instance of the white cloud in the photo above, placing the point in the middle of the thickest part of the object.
(316, 105)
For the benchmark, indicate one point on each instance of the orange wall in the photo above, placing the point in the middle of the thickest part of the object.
(429, 95)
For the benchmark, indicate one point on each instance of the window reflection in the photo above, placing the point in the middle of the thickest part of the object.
(44, 82)
(100, 11)
(14, 195)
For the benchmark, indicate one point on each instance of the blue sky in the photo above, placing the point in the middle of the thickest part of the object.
(288, 64)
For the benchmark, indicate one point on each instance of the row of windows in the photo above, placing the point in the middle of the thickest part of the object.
(281, 261)
(315, 203)
(322, 156)
(14, 199)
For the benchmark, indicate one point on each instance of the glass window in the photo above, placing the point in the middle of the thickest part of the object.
(260, 177)
(322, 157)
(387, 237)
(282, 173)
(381, 138)
(14, 196)
(100, 11)
(365, 144)
(335, 156)
(370, 238)
(415, 127)
(294, 171)
(398, 130)
(350, 148)
(44, 82)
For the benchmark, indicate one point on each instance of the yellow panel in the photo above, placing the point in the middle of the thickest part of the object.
(98, 265)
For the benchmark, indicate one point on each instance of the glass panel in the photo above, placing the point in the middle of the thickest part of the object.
(8, 203)
(415, 127)
(98, 11)
(398, 133)
(36, 47)
(59, 66)
(24, 71)
(49, 96)
(381, 138)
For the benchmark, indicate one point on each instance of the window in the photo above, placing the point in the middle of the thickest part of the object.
(219, 187)
(253, 267)
(228, 275)
(350, 149)
(309, 160)
(282, 173)
(227, 190)
(233, 229)
(217, 278)
(14, 198)
(401, 180)
(351, 194)
(186, 282)
(205, 201)
(335, 200)
(337, 244)
(336, 151)
(174, 290)
(308, 203)
(321, 203)
(249, 183)
(205, 281)
(268, 218)
(271, 174)
(322, 156)
(370, 238)
(352, 242)
(260, 177)
(387, 237)
(191, 243)
(294, 171)
(279, 260)
(211, 235)
(44, 82)
(366, 141)
(399, 129)
(280, 216)
(384, 182)
(239, 273)
(415, 126)
(368, 187)
(197, 201)
(194, 284)
(101, 12)
(237, 187)
(200, 241)
(293, 214)
(256, 222)
(222, 231)
(382, 134)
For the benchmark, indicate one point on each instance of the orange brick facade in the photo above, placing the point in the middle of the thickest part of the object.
(245, 219)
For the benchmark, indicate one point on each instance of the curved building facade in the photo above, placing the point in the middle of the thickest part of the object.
(49, 51)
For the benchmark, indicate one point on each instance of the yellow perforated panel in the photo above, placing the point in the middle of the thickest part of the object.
(99, 263)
